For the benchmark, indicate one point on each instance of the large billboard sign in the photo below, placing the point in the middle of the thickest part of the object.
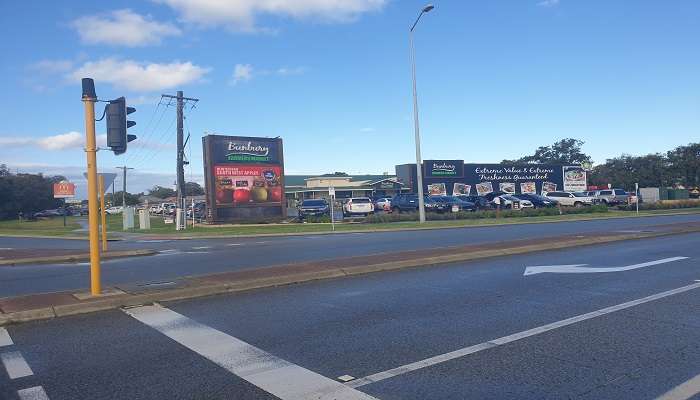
(244, 178)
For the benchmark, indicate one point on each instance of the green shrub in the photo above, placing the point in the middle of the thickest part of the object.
(662, 205)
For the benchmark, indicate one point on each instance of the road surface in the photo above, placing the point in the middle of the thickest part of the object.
(480, 330)
(202, 256)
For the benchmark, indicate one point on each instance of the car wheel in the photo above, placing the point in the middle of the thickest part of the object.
(396, 210)
(578, 204)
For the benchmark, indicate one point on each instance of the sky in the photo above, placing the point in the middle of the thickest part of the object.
(496, 79)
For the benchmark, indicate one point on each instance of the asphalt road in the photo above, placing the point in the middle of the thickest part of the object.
(480, 330)
(202, 256)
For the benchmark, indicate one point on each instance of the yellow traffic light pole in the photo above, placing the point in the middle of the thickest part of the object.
(89, 99)
(103, 213)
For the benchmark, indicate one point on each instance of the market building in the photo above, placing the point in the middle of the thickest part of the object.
(452, 177)
(300, 187)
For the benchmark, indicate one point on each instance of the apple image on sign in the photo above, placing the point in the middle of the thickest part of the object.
(241, 196)
(276, 193)
(259, 194)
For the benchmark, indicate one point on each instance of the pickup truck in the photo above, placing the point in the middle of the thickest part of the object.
(612, 197)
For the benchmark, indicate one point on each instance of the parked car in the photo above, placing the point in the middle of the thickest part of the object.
(453, 204)
(48, 213)
(358, 206)
(382, 203)
(507, 201)
(114, 210)
(572, 199)
(408, 202)
(493, 195)
(537, 200)
(480, 202)
(612, 197)
(313, 208)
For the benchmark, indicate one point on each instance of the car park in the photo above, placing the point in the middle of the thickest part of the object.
(572, 199)
(612, 197)
(358, 206)
(313, 208)
(537, 200)
(453, 204)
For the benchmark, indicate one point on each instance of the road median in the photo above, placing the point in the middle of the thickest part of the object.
(51, 305)
(71, 258)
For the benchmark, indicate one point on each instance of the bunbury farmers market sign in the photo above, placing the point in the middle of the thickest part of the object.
(248, 151)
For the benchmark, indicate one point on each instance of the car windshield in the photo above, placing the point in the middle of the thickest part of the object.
(360, 200)
(313, 203)
(580, 194)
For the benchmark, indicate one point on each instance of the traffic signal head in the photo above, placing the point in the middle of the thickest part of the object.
(117, 124)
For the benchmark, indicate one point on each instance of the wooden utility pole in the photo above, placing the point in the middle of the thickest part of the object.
(180, 210)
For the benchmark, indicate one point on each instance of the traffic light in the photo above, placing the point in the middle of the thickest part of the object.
(117, 124)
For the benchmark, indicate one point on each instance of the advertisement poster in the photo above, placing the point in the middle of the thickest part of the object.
(528, 187)
(507, 187)
(548, 187)
(244, 178)
(437, 189)
(244, 185)
(461, 189)
(574, 178)
(63, 189)
(484, 188)
(444, 168)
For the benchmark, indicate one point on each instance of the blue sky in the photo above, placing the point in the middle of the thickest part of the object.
(496, 79)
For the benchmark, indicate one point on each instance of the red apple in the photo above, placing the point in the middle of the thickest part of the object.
(223, 195)
(241, 196)
(276, 193)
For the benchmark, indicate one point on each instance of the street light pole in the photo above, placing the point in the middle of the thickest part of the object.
(419, 161)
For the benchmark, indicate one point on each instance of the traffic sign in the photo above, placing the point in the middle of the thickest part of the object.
(108, 177)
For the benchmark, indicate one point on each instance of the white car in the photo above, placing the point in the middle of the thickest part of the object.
(383, 203)
(507, 201)
(572, 199)
(114, 210)
(358, 206)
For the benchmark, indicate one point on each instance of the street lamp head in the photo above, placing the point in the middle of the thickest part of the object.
(428, 8)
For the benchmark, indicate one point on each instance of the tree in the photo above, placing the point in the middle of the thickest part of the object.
(130, 199)
(161, 192)
(565, 151)
(193, 189)
(684, 165)
(26, 193)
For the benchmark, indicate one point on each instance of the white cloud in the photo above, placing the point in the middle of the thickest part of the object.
(52, 66)
(240, 15)
(140, 76)
(123, 28)
(242, 73)
(290, 71)
(63, 141)
(548, 3)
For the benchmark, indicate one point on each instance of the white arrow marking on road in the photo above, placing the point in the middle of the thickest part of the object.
(576, 268)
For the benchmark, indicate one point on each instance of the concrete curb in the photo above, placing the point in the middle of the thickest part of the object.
(427, 228)
(208, 289)
(77, 257)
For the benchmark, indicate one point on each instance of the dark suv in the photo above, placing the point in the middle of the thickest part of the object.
(313, 208)
(409, 203)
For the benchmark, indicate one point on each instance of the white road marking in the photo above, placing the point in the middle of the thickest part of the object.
(33, 393)
(234, 244)
(15, 365)
(5, 248)
(262, 242)
(576, 268)
(684, 391)
(271, 374)
(5, 339)
(201, 248)
(512, 338)
(346, 378)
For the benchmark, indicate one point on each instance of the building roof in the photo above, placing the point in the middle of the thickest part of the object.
(300, 180)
